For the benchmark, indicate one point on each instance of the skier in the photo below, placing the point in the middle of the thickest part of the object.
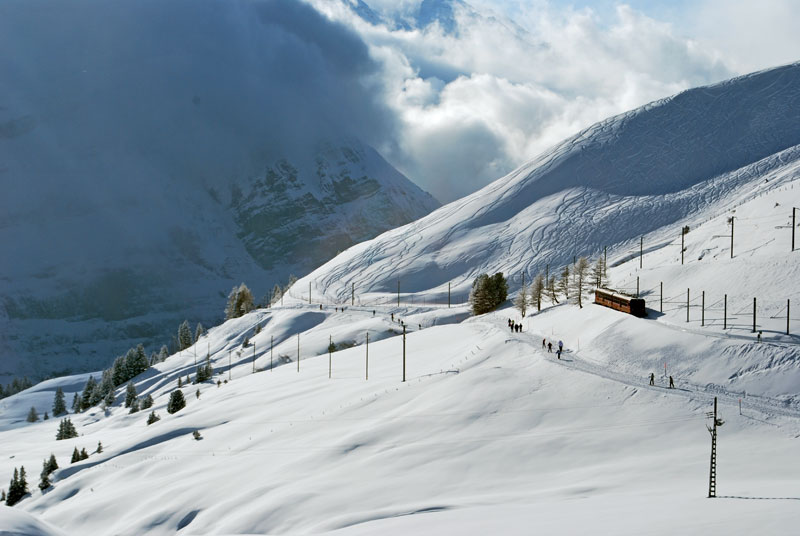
(560, 346)
(511, 326)
(652, 378)
(549, 347)
(671, 383)
(558, 353)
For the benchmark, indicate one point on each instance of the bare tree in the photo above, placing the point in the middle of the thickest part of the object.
(563, 284)
(521, 301)
(551, 288)
(536, 291)
(598, 271)
(579, 276)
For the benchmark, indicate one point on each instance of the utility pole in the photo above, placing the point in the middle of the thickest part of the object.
(787, 316)
(366, 367)
(229, 365)
(754, 315)
(725, 314)
(254, 357)
(448, 294)
(404, 352)
(687, 304)
(330, 361)
(684, 231)
(793, 225)
(703, 310)
(605, 261)
(641, 250)
(637, 286)
(731, 219)
(353, 294)
(661, 308)
(712, 476)
(398, 293)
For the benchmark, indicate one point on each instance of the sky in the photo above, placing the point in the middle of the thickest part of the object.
(518, 76)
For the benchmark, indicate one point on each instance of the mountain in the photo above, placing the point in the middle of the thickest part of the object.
(641, 171)
(357, 411)
(146, 171)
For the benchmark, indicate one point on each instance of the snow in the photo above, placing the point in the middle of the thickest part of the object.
(489, 433)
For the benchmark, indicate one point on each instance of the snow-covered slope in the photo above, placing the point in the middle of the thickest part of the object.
(642, 171)
(145, 171)
(489, 433)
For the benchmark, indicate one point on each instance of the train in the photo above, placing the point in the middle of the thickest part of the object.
(620, 301)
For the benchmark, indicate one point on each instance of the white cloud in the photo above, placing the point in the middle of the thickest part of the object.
(519, 77)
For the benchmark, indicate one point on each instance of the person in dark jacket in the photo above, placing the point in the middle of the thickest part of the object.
(652, 378)
(549, 347)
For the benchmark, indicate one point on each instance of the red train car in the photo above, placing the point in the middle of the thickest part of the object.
(619, 301)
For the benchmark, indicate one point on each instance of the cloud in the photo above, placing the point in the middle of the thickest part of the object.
(516, 78)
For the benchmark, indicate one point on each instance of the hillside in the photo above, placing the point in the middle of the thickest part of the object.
(144, 173)
(489, 433)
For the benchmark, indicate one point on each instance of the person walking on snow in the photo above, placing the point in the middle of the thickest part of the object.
(544, 343)
(549, 347)
(652, 378)
(558, 353)
(671, 383)
(560, 347)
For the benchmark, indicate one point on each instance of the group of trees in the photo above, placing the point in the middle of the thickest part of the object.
(571, 284)
(17, 488)
(489, 292)
(48, 468)
(15, 387)
(66, 430)
(240, 302)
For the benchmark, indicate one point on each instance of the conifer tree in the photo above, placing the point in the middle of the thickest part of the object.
(32, 415)
(17, 488)
(99, 447)
(84, 454)
(152, 418)
(130, 394)
(44, 481)
(66, 429)
(134, 406)
(76, 404)
(180, 382)
(147, 402)
(184, 336)
(176, 401)
(109, 399)
(52, 464)
(76, 456)
(2, 495)
(240, 302)
(199, 331)
(59, 404)
(46, 416)
(163, 354)
(86, 396)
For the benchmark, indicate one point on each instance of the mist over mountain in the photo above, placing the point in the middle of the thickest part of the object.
(154, 154)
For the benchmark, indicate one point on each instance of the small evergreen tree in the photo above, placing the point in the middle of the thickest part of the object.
(84, 454)
(240, 302)
(32, 415)
(109, 399)
(134, 406)
(76, 456)
(130, 394)
(52, 464)
(44, 481)
(184, 336)
(199, 331)
(152, 418)
(163, 354)
(17, 488)
(488, 293)
(180, 382)
(2, 495)
(86, 396)
(99, 447)
(176, 401)
(76, 404)
(66, 430)
(46, 416)
(59, 403)
(197, 394)
(147, 402)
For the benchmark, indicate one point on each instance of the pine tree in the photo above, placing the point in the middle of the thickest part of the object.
(86, 396)
(76, 404)
(176, 401)
(479, 295)
(76, 456)
(537, 289)
(163, 354)
(84, 454)
(180, 382)
(277, 292)
(2, 495)
(109, 399)
(521, 301)
(184, 336)
(17, 488)
(130, 394)
(59, 403)
(240, 302)
(198, 332)
(32, 415)
(44, 482)
(52, 464)
(579, 275)
(99, 447)
(134, 406)
(152, 418)
(66, 430)
(147, 402)
(46, 416)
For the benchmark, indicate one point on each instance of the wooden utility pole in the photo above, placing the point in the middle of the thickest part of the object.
(641, 250)
(404, 352)
(725, 314)
(605, 261)
(352, 294)
(712, 475)
(793, 225)
(687, 304)
(637, 286)
(731, 219)
(398, 293)
(366, 367)
(787, 317)
(662, 297)
(754, 315)
(448, 294)
(703, 310)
